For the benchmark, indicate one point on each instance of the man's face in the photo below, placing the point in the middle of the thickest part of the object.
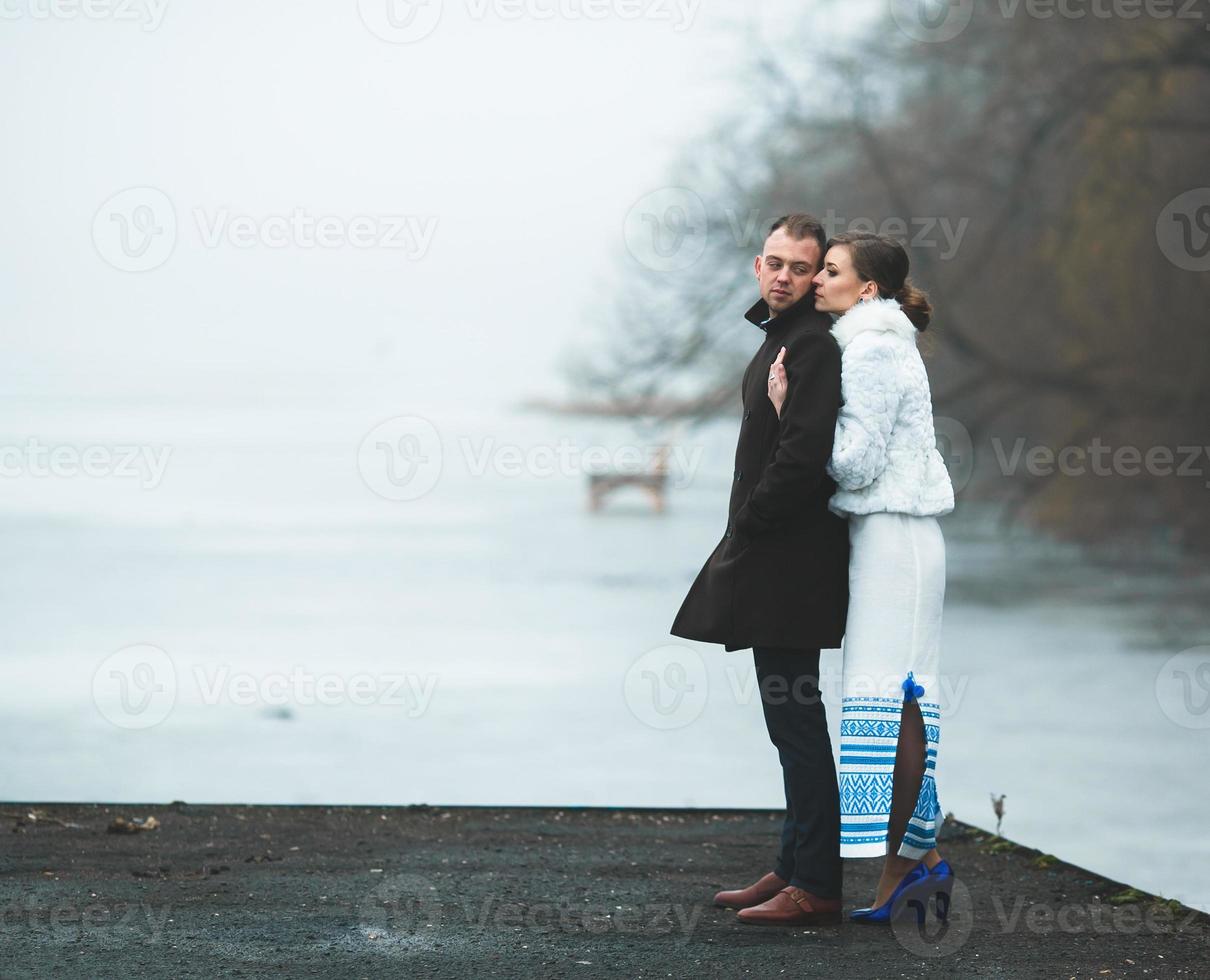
(785, 269)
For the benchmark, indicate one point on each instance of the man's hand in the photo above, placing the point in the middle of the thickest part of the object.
(777, 382)
(806, 429)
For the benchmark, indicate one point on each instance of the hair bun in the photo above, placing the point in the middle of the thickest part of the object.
(884, 261)
(915, 305)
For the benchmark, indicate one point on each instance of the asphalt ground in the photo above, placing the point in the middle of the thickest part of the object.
(463, 892)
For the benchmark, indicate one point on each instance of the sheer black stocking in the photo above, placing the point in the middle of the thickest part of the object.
(909, 773)
(910, 756)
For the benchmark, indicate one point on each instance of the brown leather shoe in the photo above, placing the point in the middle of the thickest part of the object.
(792, 907)
(744, 898)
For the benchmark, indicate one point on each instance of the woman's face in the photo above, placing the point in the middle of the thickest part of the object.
(838, 287)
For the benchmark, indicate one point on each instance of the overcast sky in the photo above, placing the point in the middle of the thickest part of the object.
(474, 160)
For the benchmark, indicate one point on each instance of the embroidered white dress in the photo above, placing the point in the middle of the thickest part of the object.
(892, 485)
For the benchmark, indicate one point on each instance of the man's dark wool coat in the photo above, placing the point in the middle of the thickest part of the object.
(780, 575)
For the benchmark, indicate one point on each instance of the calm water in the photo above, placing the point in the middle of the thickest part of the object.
(300, 638)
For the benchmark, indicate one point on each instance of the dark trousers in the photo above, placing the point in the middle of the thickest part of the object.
(788, 681)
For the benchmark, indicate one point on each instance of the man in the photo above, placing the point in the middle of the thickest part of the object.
(778, 580)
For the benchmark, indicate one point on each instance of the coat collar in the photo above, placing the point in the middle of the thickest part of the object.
(882, 315)
(760, 312)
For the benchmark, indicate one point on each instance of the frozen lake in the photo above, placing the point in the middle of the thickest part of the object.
(299, 637)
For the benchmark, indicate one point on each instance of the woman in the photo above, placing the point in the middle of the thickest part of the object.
(892, 485)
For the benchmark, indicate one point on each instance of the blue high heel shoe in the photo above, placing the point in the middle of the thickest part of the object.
(883, 913)
(942, 870)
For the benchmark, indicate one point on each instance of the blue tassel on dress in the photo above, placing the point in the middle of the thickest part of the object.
(911, 690)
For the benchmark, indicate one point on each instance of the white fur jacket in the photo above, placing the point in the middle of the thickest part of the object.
(884, 456)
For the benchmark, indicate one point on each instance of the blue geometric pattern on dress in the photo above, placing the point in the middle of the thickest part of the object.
(869, 734)
(878, 729)
(865, 794)
(926, 802)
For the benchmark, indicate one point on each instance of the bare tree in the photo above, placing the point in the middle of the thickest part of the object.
(1026, 164)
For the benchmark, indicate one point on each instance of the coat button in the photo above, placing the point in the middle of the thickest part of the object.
(747, 415)
(739, 474)
(728, 534)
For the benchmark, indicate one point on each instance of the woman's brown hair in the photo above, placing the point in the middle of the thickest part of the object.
(884, 261)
